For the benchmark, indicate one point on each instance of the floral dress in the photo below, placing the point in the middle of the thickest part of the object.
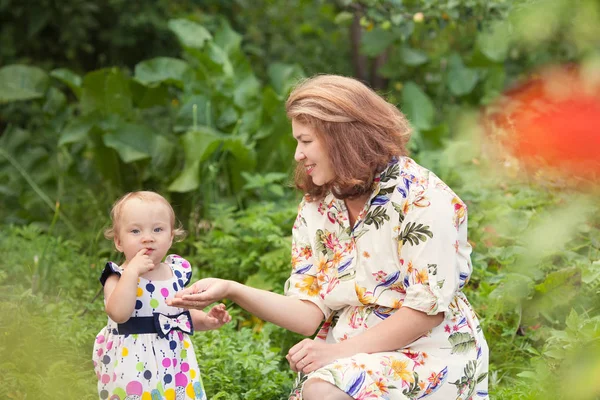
(408, 248)
(147, 366)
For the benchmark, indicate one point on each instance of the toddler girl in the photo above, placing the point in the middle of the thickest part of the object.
(144, 352)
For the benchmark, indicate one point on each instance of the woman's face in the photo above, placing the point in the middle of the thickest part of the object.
(311, 153)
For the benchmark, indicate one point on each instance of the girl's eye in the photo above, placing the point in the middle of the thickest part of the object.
(158, 229)
(135, 231)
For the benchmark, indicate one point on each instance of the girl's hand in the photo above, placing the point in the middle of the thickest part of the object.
(217, 317)
(310, 355)
(201, 294)
(141, 263)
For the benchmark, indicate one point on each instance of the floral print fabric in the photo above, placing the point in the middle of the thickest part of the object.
(408, 248)
(145, 366)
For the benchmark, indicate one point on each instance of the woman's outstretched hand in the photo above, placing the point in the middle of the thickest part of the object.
(201, 294)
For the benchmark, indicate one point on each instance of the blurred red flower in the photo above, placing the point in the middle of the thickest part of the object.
(552, 121)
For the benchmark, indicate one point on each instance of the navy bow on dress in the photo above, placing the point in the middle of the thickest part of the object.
(166, 323)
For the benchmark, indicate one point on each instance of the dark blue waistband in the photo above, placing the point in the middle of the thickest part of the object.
(141, 325)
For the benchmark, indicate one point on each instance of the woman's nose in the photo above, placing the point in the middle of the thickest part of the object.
(299, 155)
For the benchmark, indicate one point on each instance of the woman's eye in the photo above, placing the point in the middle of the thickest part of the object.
(306, 141)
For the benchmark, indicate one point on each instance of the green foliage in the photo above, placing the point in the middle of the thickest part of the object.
(45, 283)
(241, 364)
(535, 263)
(41, 349)
(44, 263)
(251, 245)
(47, 337)
(431, 57)
(20, 82)
(195, 109)
(193, 126)
(85, 35)
(303, 32)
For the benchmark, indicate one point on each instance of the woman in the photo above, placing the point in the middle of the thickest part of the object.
(379, 253)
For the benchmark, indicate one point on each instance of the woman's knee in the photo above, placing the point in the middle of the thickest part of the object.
(318, 389)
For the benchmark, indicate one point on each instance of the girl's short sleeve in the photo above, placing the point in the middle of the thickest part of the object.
(109, 269)
(434, 252)
(303, 283)
(181, 268)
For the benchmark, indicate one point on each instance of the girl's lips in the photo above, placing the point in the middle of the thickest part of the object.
(149, 251)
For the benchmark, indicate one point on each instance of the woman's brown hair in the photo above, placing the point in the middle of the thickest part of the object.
(360, 130)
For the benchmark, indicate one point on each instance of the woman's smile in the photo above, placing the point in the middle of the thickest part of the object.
(311, 148)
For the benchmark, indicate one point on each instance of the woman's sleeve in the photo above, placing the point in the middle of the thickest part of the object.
(109, 269)
(434, 252)
(303, 283)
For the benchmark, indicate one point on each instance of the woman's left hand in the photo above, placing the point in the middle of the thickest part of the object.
(309, 355)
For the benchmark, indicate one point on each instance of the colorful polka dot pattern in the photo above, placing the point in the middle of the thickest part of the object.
(144, 366)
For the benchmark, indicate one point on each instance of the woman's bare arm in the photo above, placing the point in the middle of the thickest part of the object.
(296, 315)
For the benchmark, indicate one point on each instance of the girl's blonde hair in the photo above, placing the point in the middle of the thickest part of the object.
(115, 213)
(361, 132)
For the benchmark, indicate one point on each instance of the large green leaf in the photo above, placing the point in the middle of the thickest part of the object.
(54, 101)
(132, 142)
(494, 44)
(162, 69)
(198, 145)
(106, 91)
(514, 289)
(22, 82)
(241, 158)
(246, 90)
(188, 179)
(494, 84)
(147, 97)
(228, 39)
(244, 155)
(185, 116)
(206, 69)
(557, 290)
(76, 130)
(284, 76)
(165, 153)
(105, 159)
(275, 145)
(69, 78)
(189, 33)
(376, 41)
(228, 116)
(412, 57)
(250, 122)
(220, 57)
(461, 80)
(417, 106)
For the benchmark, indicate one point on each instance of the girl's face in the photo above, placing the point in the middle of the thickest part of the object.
(144, 225)
(311, 152)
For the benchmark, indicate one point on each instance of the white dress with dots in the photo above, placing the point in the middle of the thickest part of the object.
(146, 366)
